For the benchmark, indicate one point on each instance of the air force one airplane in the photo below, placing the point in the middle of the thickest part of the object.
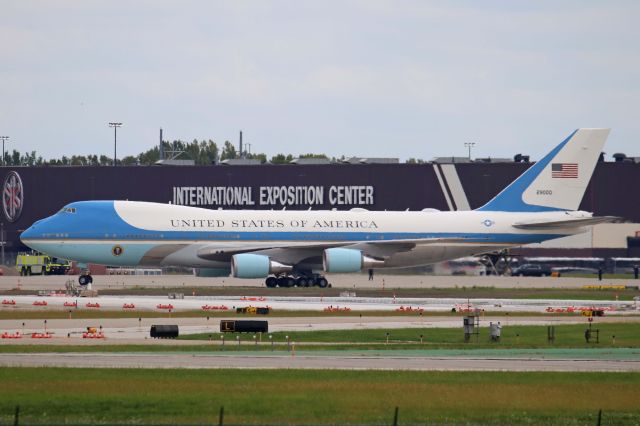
(294, 247)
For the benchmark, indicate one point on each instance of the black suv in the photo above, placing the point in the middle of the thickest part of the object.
(531, 270)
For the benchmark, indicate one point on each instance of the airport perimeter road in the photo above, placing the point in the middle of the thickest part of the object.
(342, 281)
(346, 362)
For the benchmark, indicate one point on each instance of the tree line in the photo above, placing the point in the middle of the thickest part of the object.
(201, 152)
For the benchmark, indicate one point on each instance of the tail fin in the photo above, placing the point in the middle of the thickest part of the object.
(558, 181)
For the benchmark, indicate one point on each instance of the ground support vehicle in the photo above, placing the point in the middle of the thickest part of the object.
(35, 263)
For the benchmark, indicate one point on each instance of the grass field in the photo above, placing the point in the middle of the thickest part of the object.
(570, 335)
(313, 397)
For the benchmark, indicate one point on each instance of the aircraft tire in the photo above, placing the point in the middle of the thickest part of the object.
(322, 282)
(271, 282)
(302, 282)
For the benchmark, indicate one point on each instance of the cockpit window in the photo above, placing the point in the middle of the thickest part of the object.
(67, 210)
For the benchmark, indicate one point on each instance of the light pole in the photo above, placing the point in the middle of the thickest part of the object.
(2, 242)
(469, 145)
(115, 139)
(4, 138)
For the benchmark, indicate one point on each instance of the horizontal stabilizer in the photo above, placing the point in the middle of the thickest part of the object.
(572, 223)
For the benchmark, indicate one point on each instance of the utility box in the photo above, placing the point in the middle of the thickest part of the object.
(164, 331)
(471, 325)
(495, 330)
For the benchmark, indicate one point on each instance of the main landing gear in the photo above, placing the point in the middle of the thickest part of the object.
(297, 281)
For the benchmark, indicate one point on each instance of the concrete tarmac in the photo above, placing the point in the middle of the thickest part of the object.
(303, 361)
(342, 281)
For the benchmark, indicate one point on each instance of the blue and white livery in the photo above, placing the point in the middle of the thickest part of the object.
(292, 247)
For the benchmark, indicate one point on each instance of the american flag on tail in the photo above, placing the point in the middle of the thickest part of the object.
(564, 170)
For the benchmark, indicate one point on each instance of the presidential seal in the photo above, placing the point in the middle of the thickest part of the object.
(12, 196)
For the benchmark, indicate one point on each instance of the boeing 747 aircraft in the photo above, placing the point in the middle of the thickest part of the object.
(295, 247)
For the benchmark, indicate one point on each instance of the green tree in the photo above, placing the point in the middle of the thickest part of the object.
(209, 152)
(281, 159)
(149, 157)
(312, 156)
(228, 152)
(258, 156)
(129, 160)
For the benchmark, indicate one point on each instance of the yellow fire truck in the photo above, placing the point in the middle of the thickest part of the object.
(35, 263)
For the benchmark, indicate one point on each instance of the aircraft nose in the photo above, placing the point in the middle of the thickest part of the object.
(28, 234)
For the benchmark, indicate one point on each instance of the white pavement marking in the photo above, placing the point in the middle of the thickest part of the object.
(119, 360)
(343, 281)
(319, 304)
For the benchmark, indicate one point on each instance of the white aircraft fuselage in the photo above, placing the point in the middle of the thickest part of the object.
(540, 205)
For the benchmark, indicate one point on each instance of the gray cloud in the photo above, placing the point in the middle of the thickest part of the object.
(373, 78)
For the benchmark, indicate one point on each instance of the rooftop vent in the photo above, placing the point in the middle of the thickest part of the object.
(372, 160)
(619, 157)
(175, 162)
(447, 160)
(493, 160)
(310, 160)
(241, 162)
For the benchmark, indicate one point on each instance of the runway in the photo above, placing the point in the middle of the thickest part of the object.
(303, 361)
(317, 304)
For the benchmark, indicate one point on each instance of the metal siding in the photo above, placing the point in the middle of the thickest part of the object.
(397, 186)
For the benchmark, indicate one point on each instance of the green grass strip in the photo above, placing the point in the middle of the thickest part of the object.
(314, 397)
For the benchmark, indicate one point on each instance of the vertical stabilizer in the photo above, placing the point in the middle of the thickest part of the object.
(558, 181)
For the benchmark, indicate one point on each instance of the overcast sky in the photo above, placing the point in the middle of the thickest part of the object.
(369, 78)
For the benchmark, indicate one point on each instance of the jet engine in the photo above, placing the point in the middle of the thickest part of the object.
(248, 265)
(348, 260)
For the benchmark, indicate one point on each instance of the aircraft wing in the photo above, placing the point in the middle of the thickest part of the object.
(571, 223)
(293, 252)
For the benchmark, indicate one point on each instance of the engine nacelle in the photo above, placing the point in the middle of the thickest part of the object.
(348, 260)
(248, 265)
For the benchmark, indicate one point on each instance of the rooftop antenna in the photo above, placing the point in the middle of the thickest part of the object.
(161, 147)
(241, 153)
